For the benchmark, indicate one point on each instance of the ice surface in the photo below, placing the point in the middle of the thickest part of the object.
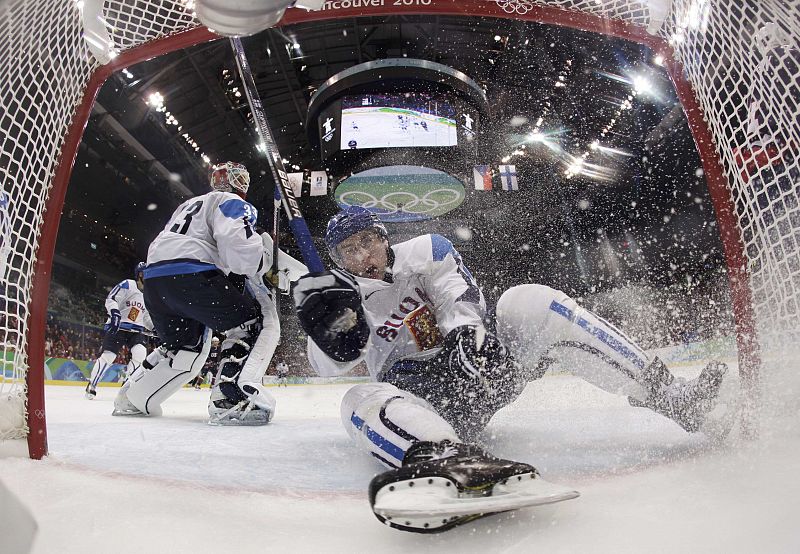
(175, 484)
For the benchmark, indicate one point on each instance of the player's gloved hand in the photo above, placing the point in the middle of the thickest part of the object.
(478, 354)
(328, 305)
(116, 319)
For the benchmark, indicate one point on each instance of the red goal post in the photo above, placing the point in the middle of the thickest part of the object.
(727, 62)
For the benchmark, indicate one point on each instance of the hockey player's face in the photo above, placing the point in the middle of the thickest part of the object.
(364, 254)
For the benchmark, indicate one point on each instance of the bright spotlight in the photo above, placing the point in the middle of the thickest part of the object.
(641, 85)
(576, 166)
(156, 100)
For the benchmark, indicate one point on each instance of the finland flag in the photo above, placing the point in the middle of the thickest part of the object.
(508, 177)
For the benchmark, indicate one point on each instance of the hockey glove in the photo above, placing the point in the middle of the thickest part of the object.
(481, 357)
(116, 319)
(328, 305)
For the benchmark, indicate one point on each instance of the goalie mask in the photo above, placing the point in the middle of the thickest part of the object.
(230, 177)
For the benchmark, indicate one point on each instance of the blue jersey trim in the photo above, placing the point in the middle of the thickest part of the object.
(125, 326)
(440, 247)
(614, 343)
(177, 268)
(379, 441)
(235, 209)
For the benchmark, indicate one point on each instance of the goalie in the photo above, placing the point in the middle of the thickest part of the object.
(415, 314)
(191, 288)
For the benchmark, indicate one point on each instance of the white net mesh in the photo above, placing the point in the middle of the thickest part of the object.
(740, 57)
(45, 69)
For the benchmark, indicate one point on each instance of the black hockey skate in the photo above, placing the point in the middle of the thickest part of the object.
(442, 485)
(90, 393)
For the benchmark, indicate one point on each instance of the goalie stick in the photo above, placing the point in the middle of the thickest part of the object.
(283, 190)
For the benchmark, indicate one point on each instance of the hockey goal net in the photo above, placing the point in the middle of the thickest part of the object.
(734, 66)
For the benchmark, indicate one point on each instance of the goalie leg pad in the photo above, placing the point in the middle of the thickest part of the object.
(148, 388)
(240, 398)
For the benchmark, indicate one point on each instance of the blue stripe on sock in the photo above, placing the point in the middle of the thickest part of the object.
(100, 372)
(612, 342)
(376, 439)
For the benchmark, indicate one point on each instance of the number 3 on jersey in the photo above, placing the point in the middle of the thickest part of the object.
(181, 226)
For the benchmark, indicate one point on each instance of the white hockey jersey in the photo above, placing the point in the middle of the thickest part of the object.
(211, 231)
(431, 293)
(128, 299)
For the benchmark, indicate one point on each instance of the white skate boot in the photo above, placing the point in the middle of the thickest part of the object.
(257, 409)
(123, 406)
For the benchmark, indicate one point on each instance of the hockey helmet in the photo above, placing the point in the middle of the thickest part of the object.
(230, 177)
(139, 270)
(348, 222)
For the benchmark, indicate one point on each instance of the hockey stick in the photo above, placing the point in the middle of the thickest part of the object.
(283, 190)
(276, 226)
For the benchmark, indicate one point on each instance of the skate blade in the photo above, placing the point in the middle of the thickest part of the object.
(436, 498)
(249, 421)
(128, 413)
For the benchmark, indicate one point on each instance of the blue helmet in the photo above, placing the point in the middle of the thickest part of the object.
(139, 269)
(350, 221)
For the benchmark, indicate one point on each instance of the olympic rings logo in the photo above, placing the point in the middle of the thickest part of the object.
(404, 201)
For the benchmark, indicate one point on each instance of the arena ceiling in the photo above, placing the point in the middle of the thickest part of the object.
(642, 214)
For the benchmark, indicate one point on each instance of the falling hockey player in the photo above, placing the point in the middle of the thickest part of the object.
(415, 314)
(190, 290)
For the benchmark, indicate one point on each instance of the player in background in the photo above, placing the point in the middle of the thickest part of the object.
(282, 373)
(210, 367)
(415, 314)
(192, 288)
(127, 323)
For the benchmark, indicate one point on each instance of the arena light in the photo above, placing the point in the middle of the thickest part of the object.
(156, 101)
(607, 150)
(642, 85)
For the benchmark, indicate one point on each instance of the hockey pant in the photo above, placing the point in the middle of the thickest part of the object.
(386, 420)
(543, 328)
(148, 388)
